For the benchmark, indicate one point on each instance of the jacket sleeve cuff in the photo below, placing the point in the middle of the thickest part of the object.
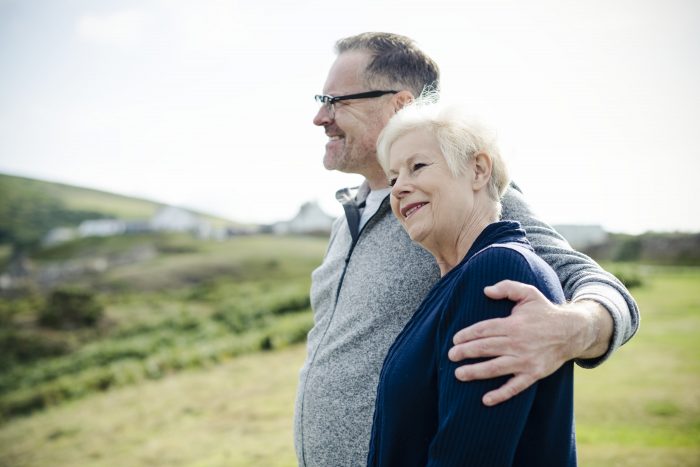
(615, 304)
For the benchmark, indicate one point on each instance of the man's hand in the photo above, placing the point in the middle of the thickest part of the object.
(533, 342)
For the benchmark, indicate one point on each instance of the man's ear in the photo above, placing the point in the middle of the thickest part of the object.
(402, 99)
(483, 165)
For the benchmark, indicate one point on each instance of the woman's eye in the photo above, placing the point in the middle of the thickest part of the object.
(392, 181)
(418, 166)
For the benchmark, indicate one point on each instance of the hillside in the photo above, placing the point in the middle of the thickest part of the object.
(188, 303)
(77, 198)
(30, 208)
(672, 248)
(640, 408)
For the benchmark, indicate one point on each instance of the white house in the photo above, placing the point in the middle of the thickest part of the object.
(101, 228)
(59, 235)
(310, 219)
(174, 219)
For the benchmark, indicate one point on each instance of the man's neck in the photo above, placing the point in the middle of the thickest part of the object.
(377, 182)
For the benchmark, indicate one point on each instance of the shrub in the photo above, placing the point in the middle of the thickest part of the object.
(630, 279)
(70, 308)
(23, 346)
(630, 275)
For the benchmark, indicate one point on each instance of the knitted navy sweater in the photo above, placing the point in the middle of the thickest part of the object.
(425, 416)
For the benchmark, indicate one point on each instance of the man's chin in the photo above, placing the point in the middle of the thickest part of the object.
(330, 162)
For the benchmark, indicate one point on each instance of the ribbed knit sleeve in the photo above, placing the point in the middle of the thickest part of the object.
(468, 432)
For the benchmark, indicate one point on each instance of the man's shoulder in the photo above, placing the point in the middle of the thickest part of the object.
(513, 202)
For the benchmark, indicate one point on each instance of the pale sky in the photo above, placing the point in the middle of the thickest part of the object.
(209, 104)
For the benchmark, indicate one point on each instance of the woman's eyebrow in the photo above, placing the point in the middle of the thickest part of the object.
(409, 160)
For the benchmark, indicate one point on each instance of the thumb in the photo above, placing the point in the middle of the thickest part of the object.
(515, 291)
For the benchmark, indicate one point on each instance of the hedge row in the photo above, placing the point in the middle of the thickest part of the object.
(285, 330)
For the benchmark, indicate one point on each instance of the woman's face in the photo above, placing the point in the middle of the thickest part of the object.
(432, 204)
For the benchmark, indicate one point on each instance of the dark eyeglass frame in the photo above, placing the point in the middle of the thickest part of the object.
(328, 101)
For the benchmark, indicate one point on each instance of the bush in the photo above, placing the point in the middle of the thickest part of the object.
(24, 346)
(71, 308)
(630, 279)
(629, 249)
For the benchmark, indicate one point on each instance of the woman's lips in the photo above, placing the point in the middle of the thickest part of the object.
(410, 209)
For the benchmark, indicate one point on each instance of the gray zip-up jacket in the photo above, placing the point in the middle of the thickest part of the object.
(364, 293)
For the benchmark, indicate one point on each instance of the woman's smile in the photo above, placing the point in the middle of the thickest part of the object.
(408, 210)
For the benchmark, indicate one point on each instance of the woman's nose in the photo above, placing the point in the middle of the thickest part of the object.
(400, 188)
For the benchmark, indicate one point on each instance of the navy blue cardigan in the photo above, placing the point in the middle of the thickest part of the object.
(425, 416)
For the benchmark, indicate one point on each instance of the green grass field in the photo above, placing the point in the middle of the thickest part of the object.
(193, 304)
(642, 408)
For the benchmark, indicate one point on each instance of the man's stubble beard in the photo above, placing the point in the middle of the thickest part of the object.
(354, 160)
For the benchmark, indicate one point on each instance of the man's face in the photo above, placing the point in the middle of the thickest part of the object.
(353, 130)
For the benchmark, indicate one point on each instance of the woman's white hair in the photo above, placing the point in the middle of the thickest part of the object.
(460, 138)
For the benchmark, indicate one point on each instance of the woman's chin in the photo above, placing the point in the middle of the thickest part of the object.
(418, 236)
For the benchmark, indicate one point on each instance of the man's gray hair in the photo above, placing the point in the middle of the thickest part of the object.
(460, 139)
(396, 62)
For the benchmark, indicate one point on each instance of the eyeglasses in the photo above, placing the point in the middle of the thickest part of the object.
(329, 101)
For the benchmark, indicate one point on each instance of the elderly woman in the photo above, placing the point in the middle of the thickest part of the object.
(447, 178)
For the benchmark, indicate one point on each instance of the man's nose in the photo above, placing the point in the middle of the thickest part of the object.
(323, 116)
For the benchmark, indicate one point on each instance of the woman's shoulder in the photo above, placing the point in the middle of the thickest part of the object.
(513, 261)
(503, 255)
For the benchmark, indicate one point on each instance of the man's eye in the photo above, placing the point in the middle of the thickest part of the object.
(392, 181)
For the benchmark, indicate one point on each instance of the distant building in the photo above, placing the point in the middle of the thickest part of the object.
(310, 219)
(101, 228)
(174, 219)
(165, 219)
(137, 226)
(59, 235)
(235, 230)
(582, 236)
(208, 232)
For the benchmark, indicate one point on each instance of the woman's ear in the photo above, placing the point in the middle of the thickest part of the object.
(483, 165)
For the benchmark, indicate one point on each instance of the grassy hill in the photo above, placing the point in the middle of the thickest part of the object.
(670, 248)
(641, 408)
(192, 353)
(30, 208)
(84, 199)
(96, 313)
(189, 303)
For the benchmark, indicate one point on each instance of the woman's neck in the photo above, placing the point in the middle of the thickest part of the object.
(451, 248)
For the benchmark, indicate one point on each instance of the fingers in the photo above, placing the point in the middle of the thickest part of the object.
(515, 291)
(513, 387)
(488, 328)
(493, 368)
(485, 347)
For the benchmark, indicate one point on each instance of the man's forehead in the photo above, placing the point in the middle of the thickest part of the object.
(346, 75)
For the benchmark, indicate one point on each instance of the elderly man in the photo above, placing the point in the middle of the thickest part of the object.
(373, 277)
